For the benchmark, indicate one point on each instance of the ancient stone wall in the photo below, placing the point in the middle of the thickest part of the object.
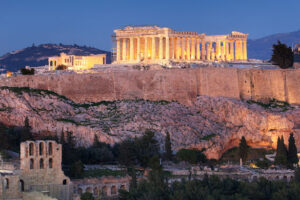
(182, 85)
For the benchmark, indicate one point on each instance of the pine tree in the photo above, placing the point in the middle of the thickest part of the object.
(281, 152)
(168, 147)
(62, 138)
(26, 133)
(243, 149)
(282, 55)
(292, 151)
(96, 142)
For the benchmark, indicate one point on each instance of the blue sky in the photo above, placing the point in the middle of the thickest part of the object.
(91, 22)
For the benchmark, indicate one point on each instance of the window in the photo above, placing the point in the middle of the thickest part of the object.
(22, 186)
(31, 149)
(50, 148)
(50, 163)
(31, 164)
(41, 163)
(113, 190)
(6, 183)
(41, 148)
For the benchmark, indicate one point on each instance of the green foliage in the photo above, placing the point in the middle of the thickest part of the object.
(243, 149)
(104, 172)
(127, 156)
(87, 196)
(281, 152)
(292, 151)
(208, 137)
(168, 147)
(282, 55)
(25, 71)
(192, 156)
(77, 170)
(282, 106)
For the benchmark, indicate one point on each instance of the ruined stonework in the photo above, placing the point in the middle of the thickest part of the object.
(182, 85)
(39, 170)
(101, 187)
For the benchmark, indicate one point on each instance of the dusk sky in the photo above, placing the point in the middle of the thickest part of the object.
(91, 22)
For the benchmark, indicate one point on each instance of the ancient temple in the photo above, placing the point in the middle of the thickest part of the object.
(153, 44)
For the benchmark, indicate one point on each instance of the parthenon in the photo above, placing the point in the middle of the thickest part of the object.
(153, 44)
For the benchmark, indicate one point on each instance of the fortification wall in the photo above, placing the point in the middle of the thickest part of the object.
(182, 85)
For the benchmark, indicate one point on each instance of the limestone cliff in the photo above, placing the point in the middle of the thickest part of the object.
(214, 123)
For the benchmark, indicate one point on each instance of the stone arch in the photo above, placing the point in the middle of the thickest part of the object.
(104, 191)
(285, 178)
(65, 182)
(88, 189)
(96, 191)
(31, 148)
(41, 148)
(31, 163)
(113, 190)
(41, 163)
(79, 191)
(50, 148)
(22, 185)
(123, 187)
(277, 178)
(50, 163)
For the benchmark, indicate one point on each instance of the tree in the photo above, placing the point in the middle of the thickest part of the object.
(77, 169)
(87, 196)
(281, 152)
(192, 156)
(243, 149)
(168, 147)
(282, 55)
(127, 156)
(61, 67)
(292, 151)
(25, 71)
(26, 133)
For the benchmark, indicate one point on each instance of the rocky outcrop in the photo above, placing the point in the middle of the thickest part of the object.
(213, 123)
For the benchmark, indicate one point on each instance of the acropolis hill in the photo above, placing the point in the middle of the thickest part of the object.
(166, 81)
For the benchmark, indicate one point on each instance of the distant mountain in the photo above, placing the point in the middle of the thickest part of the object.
(262, 48)
(38, 55)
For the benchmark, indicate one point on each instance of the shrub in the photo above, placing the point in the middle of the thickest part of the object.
(192, 156)
(25, 71)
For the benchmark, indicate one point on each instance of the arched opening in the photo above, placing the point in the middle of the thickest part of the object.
(65, 182)
(50, 163)
(41, 148)
(31, 149)
(50, 148)
(6, 183)
(285, 178)
(31, 164)
(104, 190)
(41, 163)
(79, 191)
(277, 178)
(123, 187)
(96, 191)
(113, 190)
(89, 190)
(22, 188)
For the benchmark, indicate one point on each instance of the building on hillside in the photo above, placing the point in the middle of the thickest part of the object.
(153, 44)
(73, 62)
(297, 56)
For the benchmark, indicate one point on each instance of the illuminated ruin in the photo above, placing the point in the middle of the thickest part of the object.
(152, 44)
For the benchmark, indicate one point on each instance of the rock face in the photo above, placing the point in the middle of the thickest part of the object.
(214, 123)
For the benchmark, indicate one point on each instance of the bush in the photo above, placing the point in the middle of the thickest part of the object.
(192, 156)
(61, 67)
(87, 196)
(25, 71)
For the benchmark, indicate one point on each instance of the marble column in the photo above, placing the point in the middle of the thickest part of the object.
(153, 49)
(223, 51)
(131, 49)
(167, 47)
(198, 48)
(118, 50)
(183, 48)
(124, 48)
(138, 50)
(218, 50)
(231, 50)
(193, 53)
(203, 50)
(146, 48)
(178, 48)
(161, 48)
(188, 48)
(245, 50)
(226, 50)
(208, 54)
